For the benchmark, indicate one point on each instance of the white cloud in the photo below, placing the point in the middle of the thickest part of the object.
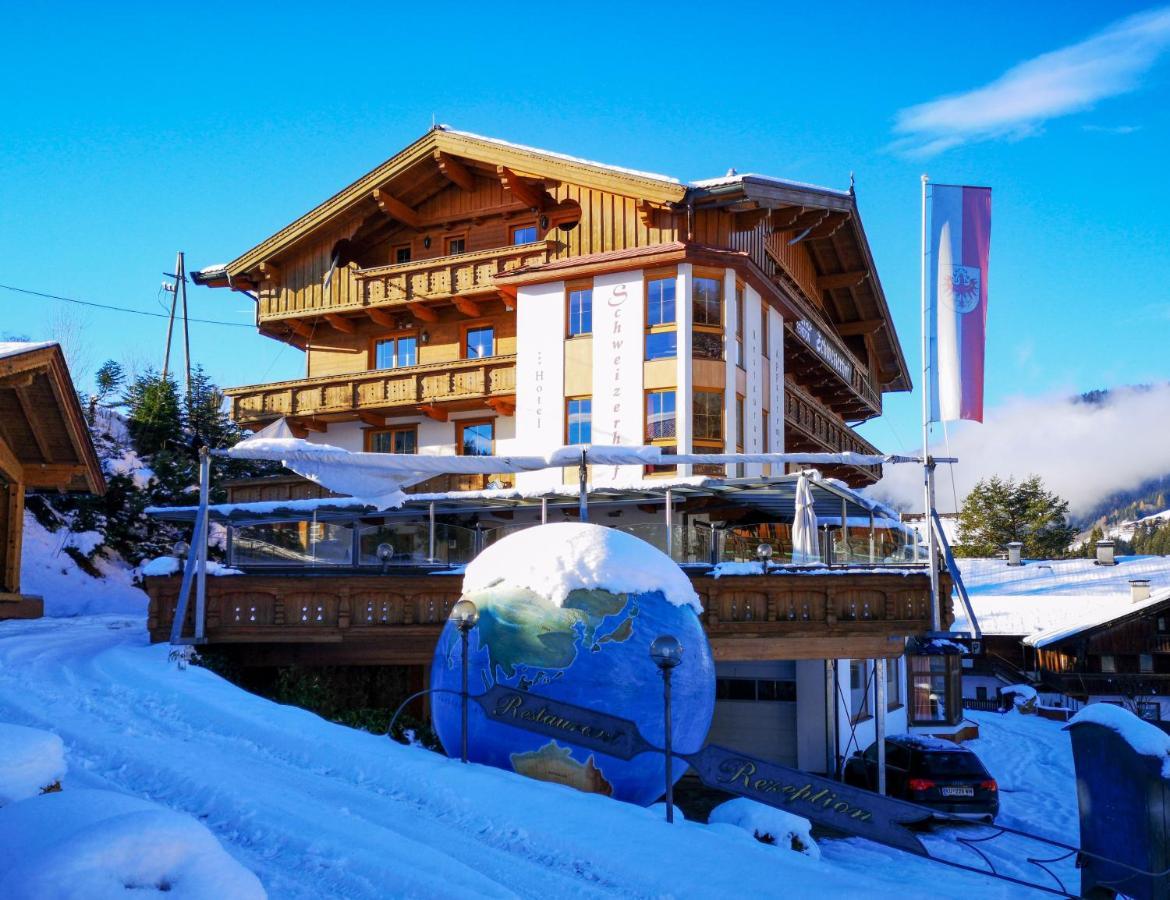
(1051, 85)
(1083, 451)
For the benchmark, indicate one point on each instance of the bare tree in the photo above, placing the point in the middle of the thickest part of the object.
(68, 327)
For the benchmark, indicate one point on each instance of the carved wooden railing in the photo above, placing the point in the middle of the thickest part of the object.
(410, 386)
(465, 274)
(816, 423)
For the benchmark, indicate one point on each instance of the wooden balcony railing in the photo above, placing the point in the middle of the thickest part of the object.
(410, 386)
(448, 276)
(813, 427)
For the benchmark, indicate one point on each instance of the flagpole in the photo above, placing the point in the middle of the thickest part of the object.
(927, 462)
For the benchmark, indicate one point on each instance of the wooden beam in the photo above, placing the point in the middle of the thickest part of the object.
(808, 219)
(422, 311)
(454, 171)
(528, 194)
(340, 323)
(11, 531)
(395, 208)
(469, 308)
(502, 406)
(270, 271)
(841, 279)
(18, 380)
(784, 219)
(299, 328)
(310, 424)
(508, 294)
(748, 219)
(865, 326)
(34, 423)
(433, 412)
(53, 475)
(11, 468)
(840, 646)
(381, 317)
(831, 225)
(372, 419)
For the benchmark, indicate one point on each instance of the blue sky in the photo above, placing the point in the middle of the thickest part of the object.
(132, 131)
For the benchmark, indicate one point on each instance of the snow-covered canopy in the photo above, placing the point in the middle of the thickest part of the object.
(553, 560)
(1144, 738)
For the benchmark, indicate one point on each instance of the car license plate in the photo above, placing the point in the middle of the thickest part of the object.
(957, 791)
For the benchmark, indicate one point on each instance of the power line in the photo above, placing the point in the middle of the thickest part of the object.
(136, 312)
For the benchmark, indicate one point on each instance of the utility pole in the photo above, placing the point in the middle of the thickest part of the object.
(178, 290)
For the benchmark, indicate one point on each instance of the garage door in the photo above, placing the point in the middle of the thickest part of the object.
(755, 709)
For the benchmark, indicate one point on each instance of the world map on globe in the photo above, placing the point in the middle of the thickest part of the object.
(592, 651)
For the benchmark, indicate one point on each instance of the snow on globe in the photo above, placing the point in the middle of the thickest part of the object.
(568, 611)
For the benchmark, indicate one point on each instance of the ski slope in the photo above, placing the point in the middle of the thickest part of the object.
(318, 810)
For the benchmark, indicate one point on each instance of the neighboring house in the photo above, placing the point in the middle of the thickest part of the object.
(1063, 624)
(471, 296)
(44, 446)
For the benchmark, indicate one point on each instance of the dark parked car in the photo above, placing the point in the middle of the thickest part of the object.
(932, 772)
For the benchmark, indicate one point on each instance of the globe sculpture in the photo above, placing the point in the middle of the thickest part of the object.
(568, 612)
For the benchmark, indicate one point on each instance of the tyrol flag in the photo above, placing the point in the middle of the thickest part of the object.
(959, 245)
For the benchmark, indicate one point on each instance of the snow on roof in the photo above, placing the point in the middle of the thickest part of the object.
(564, 156)
(1106, 613)
(552, 560)
(1043, 596)
(1144, 738)
(213, 269)
(782, 182)
(15, 348)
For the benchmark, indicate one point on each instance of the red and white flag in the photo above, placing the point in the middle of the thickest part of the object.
(960, 244)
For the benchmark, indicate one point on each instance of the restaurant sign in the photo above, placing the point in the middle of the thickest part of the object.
(824, 348)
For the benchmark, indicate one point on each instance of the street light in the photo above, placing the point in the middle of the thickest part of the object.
(667, 652)
(384, 551)
(465, 615)
(764, 552)
(181, 549)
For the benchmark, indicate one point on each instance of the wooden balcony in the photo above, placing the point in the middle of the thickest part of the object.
(430, 388)
(810, 427)
(843, 383)
(419, 282)
(325, 618)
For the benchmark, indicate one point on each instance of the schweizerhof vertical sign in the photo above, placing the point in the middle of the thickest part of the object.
(618, 316)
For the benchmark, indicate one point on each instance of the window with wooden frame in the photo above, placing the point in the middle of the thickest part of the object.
(859, 672)
(456, 244)
(579, 308)
(402, 254)
(707, 316)
(394, 351)
(764, 333)
(739, 325)
(740, 428)
(394, 439)
(707, 428)
(475, 437)
(579, 420)
(661, 426)
(479, 341)
(661, 328)
(523, 234)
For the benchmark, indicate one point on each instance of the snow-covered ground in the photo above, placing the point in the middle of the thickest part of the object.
(318, 810)
(1043, 595)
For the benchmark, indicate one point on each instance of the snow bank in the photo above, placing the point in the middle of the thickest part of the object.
(99, 844)
(32, 761)
(1146, 739)
(161, 566)
(46, 570)
(772, 826)
(552, 560)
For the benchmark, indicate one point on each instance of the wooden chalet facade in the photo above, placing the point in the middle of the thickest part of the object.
(44, 446)
(470, 295)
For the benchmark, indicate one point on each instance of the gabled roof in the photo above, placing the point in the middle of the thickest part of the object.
(44, 440)
(1106, 617)
(524, 161)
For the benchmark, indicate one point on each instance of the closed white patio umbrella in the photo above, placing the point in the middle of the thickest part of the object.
(805, 546)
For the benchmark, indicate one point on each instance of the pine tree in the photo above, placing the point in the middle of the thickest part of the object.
(155, 416)
(998, 511)
(109, 379)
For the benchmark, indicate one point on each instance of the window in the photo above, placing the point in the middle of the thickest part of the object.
(402, 254)
(456, 245)
(661, 337)
(739, 424)
(1108, 664)
(707, 313)
(1161, 625)
(767, 435)
(1151, 711)
(523, 234)
(579, 420)
(707, 422)
(764, 332)
(893, 685)
(476, 438)
(764, 690)
(660, 425)
(981, 692)
(935, 688)
(396, 352)
(1146, 663)
(480, 342)
(739, 325)
(580, 311)
(858, 693)
(393, 440)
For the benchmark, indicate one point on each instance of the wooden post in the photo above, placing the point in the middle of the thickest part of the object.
(879, 718)
(11, 529)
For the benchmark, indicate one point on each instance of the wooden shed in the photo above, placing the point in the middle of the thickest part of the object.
(44, 445)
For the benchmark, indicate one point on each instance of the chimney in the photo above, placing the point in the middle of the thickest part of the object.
(1014, 549)
(1139, 589)
(1105, 554)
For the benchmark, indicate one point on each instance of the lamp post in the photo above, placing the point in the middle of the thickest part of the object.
(465, 616)
(764, 552)
(181, 549)
(384, 551)
(666, 652)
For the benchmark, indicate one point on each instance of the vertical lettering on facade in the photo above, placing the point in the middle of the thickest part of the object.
(617, 303)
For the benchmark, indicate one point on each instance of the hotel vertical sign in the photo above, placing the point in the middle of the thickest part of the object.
(540, 376)
(618, 317)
